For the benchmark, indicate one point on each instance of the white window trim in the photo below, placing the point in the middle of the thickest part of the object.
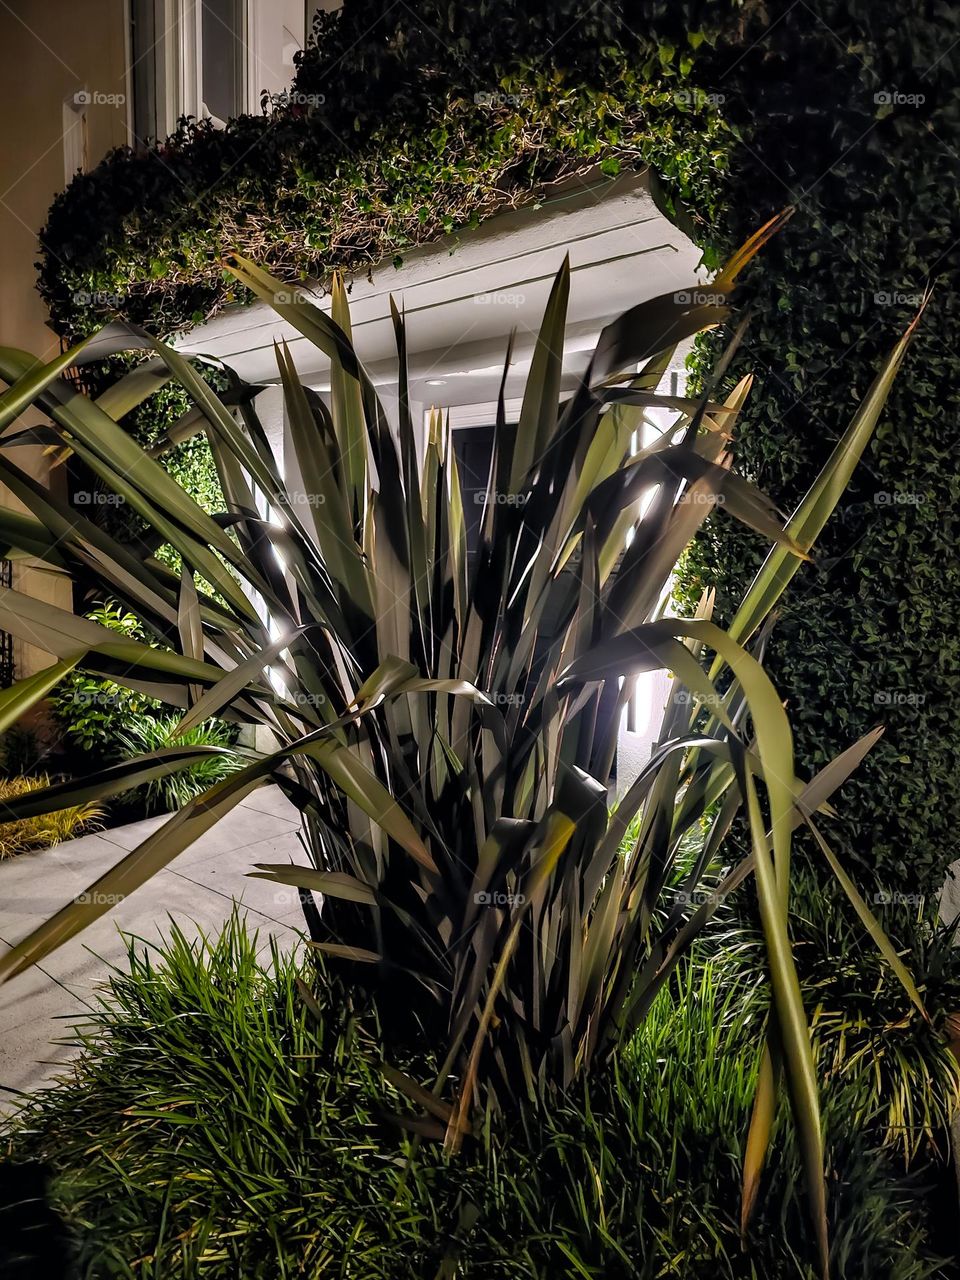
(74, 127)
(179, 61)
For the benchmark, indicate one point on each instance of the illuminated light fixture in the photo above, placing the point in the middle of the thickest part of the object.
(436, 382)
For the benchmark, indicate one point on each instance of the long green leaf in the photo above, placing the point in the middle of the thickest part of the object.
(26, 693)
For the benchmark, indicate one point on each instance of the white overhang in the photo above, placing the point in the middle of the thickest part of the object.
(464, 294)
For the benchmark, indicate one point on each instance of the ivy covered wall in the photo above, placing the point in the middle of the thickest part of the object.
(848, 109)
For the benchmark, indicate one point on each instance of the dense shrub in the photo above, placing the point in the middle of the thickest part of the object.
(825, 96)
(102, 723)
(189, 460)
(241, 1127)
(302, 194)
(92, 712)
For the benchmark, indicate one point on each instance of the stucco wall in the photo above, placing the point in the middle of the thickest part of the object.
(48, 53)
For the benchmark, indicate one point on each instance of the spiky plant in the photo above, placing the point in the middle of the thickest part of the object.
(437, 720)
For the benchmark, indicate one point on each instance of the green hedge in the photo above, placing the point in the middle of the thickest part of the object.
(868, 634)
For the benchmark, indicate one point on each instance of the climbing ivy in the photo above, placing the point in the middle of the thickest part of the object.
(848, 110)
(145, 233)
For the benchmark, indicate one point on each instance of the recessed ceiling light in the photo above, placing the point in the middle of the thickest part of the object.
(436, 382)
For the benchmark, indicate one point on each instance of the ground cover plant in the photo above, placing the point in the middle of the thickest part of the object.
(438, 720)
(236, 1096)
(25, 835)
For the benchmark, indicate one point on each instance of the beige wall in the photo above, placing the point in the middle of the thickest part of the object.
(49, 51)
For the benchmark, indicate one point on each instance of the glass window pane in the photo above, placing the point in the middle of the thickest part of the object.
(222, 40)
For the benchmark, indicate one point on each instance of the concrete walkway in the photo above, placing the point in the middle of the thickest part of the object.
(197, 889)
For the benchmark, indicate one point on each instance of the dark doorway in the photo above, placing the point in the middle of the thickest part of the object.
(473, 447)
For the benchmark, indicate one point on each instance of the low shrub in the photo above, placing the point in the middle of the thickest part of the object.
(90, 712)
(107, 723)
(144, 734)
(231, 1117)
(27, 834)
(904, 1080)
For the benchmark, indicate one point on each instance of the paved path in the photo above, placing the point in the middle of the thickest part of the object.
(197, 889)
